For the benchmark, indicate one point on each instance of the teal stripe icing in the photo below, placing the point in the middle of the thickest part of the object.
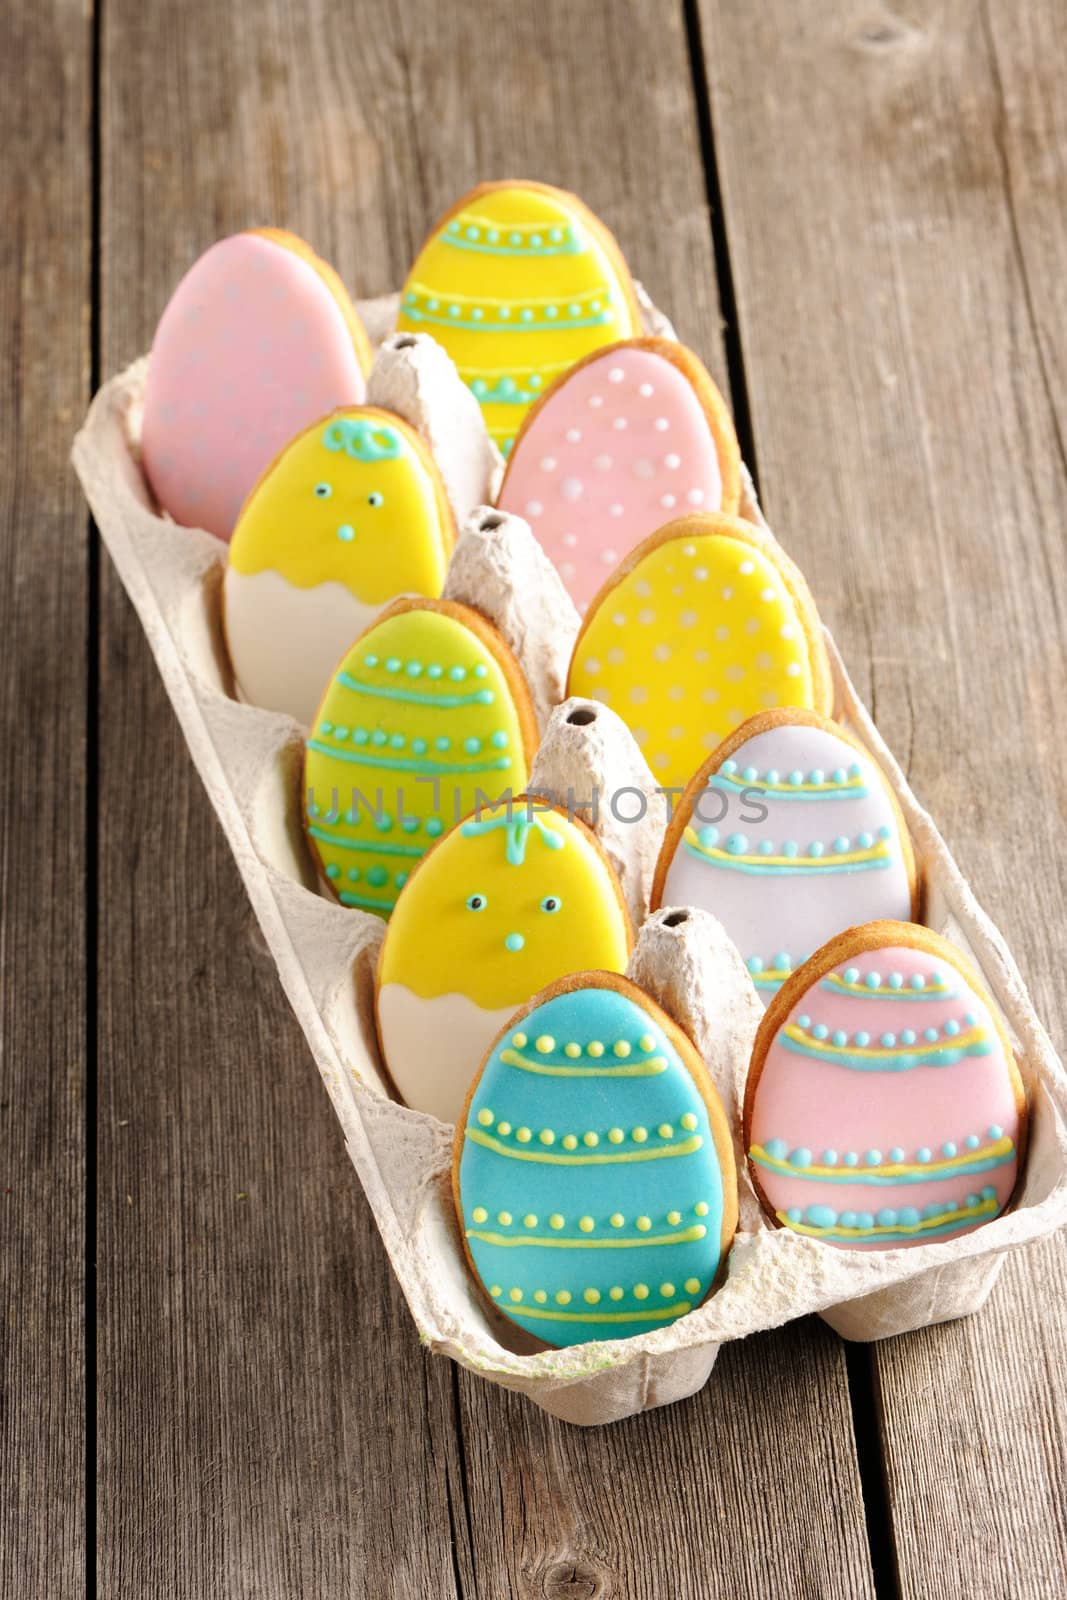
(347, 898)
(936, 1056)
(885, 991)
(962, 1220)
(596, 320)
(379, 847)
(735, 786)
(570, 247)
(802, 865)
(405, 764)
(411, 697)
(877, 1180)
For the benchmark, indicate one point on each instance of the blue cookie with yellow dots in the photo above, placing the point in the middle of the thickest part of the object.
(593, 1170)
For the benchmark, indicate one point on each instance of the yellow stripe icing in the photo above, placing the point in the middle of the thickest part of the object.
(685, 1147)
(685, 1236)
(846, 859)
(664, 1314)
(890, 1169)
(987, 1208)
(959, 1041)
(648, 1068)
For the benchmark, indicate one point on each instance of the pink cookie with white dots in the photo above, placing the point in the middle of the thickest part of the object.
(627, 440)
(258, 341)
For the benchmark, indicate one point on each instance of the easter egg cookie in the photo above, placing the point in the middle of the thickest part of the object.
(518, 282)
(351, 514)
(629, 436)
(706, 623)
(258, 340)
(514, 898)
(427, 716)
(884, 1106)
(593, 1171)
(788, 834)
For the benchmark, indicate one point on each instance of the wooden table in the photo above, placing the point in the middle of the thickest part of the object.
(857, 217)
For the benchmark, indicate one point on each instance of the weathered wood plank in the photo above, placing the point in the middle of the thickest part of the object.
(44, 332)
(253, 1440)
(894, 191)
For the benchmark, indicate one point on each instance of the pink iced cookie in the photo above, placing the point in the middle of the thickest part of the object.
(629, 439)
(258, 341)
(884, 1107)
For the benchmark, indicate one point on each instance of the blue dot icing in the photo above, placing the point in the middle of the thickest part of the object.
(851, 975)
(851, 1158)
(873, 1158)
(790, 848)
(820, 1030)
(862, 1038)
(948, 1149)
(754, 964)
(829, 1158)
(886, 1217)
(491, 1176)
(908, 1216)
(917, 980)
(996, 1131)
(847, 1219)
(803, 1021)
(889, 1040)
(794, 1214)
(777, 1149)
(896, 980)
(972, 1141)
(709, 837)
(737, 844)
(924, 1155)
(952, 1027)
(872, 980)
(896, 1155)
(908, 1036)
(801, 1157)
(930, 1034)
(839, 1037)
(821, 1216)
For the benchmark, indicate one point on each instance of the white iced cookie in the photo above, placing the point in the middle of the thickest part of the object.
(788, 834)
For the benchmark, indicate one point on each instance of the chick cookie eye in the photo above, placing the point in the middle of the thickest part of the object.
(376, 499)
(551, 902)
(476, 902)
(323, 491)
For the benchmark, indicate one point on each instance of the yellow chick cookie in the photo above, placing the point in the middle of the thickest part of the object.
(511, 900)
(352, 513)
(518, 282)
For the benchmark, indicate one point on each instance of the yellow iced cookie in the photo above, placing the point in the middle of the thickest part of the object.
(427, 717)
(705, 624)
(352, 513)
(518, 282)
(511, 900)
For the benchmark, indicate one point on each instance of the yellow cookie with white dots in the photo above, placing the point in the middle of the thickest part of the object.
(707, 623)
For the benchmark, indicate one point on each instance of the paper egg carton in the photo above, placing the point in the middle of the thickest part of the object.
(250, 762)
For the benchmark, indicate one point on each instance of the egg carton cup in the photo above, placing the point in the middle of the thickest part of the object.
(250, 762)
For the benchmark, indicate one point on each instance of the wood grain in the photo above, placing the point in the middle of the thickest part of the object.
(269, 1425)
(896, 236)
(44, 337)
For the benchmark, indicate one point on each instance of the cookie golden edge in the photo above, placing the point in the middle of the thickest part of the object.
(332, 279)
(716, 411)
(765, 722)
(843, 947)
(493, 641)
(705, 524)
(538, 805)
(597, 978)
